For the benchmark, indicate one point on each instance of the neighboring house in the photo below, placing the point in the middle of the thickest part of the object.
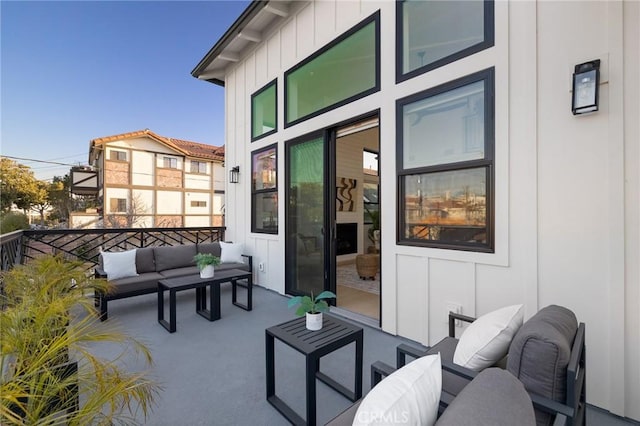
(148, 180)
(491, 191)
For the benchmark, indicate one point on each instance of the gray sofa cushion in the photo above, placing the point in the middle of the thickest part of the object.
(171, 257)
(212, 248)
(144, 260)
(180, 272)
(141, 282)
(494, 398)
(540, 352)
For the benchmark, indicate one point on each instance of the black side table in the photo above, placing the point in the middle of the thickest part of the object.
(334, 334)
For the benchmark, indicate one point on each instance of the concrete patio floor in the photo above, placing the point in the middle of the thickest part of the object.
(213, 373)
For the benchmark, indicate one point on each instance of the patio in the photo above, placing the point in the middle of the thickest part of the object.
(214, 372)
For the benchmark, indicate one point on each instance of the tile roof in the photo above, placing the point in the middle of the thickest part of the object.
(187, 148)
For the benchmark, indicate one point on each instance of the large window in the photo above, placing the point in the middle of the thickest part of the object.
(434, 33)
(264, 111)
(264, 191)
(345, 70)
(445, 164)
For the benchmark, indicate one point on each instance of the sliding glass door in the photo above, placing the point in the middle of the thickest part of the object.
(306, 220)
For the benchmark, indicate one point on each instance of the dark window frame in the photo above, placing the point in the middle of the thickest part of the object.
(488, 162)
(375, 17)
(273, 82)
(489, 41)
(256, 192)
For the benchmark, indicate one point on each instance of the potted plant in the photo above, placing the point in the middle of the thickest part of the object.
(206, 263)
(47, 366)
(312, 307)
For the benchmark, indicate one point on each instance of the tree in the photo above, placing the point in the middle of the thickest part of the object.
(40, 202)
(60, 198)
(17, 185)
(133, 217)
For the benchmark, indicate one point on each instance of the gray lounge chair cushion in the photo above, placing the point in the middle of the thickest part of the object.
(212, 248)
(174, 257)
(540, 352)
(494, 398)
(144, 260)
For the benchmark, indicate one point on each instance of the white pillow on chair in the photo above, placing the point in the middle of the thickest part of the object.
(230, 253)
(487, 339)
(410, 395)
(119, 264)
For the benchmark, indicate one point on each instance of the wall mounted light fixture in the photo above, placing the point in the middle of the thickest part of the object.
(586, 84)
(234, 174)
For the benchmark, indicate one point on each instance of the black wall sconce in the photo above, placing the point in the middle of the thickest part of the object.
(586, 86)
(234, 174)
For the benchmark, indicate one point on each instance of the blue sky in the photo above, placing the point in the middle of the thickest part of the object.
(73, 71)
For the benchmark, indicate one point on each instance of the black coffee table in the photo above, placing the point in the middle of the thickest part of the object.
(174, 285)
(334, 334)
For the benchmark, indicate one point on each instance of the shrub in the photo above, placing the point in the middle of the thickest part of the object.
(13, 221)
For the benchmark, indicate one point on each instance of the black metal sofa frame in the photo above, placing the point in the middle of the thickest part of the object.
(147, 282)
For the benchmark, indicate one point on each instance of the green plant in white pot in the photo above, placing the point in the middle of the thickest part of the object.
(206, 263)
(312, 308)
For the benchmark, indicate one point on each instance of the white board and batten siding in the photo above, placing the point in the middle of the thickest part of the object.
(566, 188)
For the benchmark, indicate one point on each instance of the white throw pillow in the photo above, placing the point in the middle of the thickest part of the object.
(486, 341)
(230, 253)
(409, 396)
(119, 264)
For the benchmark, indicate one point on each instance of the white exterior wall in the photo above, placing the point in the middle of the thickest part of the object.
(567, 188)
(197, 181)
(115, 193)
(197, 221)
(142, 168)
(160, 161)
(197, 196)
(144, 201)
(169, 202)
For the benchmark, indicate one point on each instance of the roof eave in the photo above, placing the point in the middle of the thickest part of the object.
(249, 13)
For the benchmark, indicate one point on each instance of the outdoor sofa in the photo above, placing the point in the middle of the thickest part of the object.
(156, 263)
(546, 355)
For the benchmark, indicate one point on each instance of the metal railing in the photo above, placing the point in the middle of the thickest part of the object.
(85, 244)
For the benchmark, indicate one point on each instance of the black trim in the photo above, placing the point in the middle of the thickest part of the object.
(375, 18)
(488, 76)
(489, 41)
(267, 86)
(255, 192)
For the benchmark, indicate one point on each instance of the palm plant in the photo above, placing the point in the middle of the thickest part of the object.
(48, 322)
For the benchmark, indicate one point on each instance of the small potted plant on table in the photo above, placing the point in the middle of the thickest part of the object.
(312, 307)
(206, 263)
